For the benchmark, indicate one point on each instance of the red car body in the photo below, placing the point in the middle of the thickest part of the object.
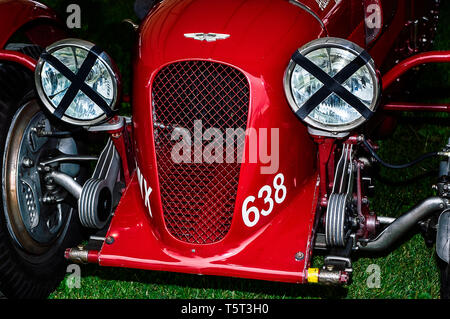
(264, 34)
(273, 30)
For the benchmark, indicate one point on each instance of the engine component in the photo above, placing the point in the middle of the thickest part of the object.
(444, 168)
(337, 226)
(343, 179)
(67, 182)
(403, 224)
(96, 199)
(96, 196)
(443, 187)
(337, 220)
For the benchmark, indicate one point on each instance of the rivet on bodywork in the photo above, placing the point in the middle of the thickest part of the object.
(109, 240)
(299, 256)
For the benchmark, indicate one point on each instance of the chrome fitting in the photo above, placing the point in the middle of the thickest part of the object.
(80, 255)
(327, 276)
(77, 255)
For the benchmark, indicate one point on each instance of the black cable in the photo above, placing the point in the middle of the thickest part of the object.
(418, 160)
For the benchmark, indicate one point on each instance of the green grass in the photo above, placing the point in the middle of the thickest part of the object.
(408, 272)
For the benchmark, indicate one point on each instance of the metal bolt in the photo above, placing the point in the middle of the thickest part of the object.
(116, 135)
(27, 162)
(49, 199)
(49, 180)
(109, 240)
(299, 256)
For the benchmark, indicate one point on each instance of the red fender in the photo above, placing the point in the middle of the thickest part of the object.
(14, 14)
(18, 57)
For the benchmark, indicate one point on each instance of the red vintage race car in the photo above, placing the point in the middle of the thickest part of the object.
(249, 148)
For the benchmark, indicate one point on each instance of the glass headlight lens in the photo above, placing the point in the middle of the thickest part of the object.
(332, 55)
(99, 78)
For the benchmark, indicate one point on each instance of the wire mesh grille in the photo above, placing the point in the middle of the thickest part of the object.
(198, 194)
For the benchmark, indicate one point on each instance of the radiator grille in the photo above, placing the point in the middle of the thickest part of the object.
(198, 198)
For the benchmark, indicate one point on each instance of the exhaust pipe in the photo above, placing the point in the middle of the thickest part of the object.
(403, 224)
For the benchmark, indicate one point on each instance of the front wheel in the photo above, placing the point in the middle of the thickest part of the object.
(445, 280)
(445, 283)
(34, 231)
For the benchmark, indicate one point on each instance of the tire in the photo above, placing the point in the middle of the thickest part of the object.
(31, 267)
(445, 279)
(445, 282)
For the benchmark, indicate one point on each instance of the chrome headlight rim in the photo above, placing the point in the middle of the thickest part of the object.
(104, 59)
(343, 44)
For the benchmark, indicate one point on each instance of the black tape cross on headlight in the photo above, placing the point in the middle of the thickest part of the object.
(78, 82)
(332, 84)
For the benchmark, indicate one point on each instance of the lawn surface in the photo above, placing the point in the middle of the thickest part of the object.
(408, 272)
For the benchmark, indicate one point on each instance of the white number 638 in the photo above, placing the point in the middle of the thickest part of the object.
(266, 193)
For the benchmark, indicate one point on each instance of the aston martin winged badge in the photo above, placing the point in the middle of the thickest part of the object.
(208, 37)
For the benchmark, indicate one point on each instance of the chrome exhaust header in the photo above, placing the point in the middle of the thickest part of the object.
(96, 196)
(403, 224)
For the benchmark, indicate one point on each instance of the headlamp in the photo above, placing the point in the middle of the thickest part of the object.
(77, 82)
(332, 85)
